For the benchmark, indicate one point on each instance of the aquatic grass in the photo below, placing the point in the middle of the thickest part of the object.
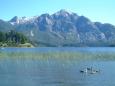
(58, 55)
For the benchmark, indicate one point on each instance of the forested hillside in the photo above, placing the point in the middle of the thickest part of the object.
(12, 38)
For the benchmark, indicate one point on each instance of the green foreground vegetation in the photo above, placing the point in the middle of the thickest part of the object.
(58, 55)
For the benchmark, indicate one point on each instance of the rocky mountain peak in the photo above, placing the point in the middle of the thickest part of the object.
(64, 28)
(63, 13)
(14, 20)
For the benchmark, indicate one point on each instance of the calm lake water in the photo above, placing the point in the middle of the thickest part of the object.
(56, 72)
(53, 49)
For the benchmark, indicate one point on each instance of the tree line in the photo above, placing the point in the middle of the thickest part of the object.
(12, 37)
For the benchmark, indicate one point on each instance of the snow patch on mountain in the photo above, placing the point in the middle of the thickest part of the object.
(21, 20)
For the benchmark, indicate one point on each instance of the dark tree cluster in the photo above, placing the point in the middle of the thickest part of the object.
(12, 37)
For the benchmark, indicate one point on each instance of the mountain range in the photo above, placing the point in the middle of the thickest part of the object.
(62, 29)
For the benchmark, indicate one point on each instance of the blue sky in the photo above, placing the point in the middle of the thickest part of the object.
(95, 10)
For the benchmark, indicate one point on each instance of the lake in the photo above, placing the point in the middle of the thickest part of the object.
(23, 71)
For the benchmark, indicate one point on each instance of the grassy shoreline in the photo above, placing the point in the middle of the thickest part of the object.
(25, 45)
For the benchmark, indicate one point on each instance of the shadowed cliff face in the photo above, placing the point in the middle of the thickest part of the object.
(64, 29)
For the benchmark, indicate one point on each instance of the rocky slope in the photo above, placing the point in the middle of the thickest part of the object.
(63, 29)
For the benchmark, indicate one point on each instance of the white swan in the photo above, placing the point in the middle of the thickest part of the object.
(89, 70)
